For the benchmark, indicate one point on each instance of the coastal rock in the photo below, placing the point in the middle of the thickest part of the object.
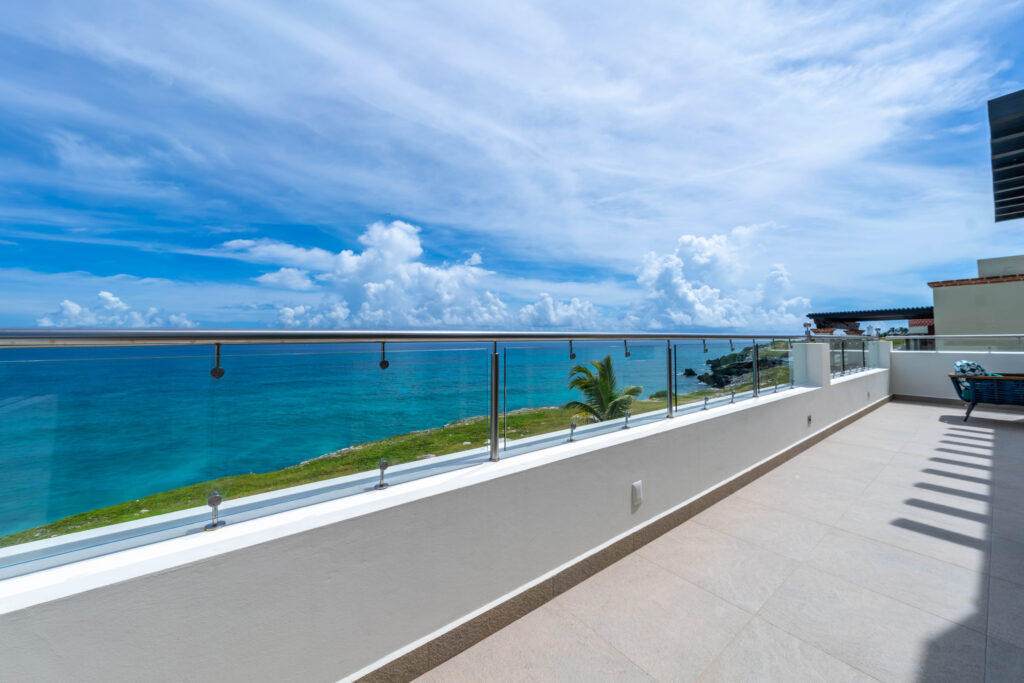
(689, 372)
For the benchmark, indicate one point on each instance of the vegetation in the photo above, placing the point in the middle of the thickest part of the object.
(456, 436)
(603, 398)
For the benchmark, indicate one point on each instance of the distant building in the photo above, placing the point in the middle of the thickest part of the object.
(992, 303)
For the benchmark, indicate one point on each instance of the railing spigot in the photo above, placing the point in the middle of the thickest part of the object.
(626, 423)
(572, 428)
(705, 343)
(217, 371)
(383, 465)
(705, 403)
(214, 502)
(384, 364)
(776, 385)
(572, 354)
(625, 347)
(732, 399)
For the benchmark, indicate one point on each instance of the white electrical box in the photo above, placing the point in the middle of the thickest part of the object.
(638, 493)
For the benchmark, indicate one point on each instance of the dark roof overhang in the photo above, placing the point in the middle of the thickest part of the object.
(876, 314)
(1006, 122)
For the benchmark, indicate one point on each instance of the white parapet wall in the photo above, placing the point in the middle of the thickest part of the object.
(333, 589)
(925, 374)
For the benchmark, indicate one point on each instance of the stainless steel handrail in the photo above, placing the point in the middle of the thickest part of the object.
(44, 338)
(1017, 335)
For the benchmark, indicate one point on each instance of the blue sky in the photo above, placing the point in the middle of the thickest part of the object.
(645, 165)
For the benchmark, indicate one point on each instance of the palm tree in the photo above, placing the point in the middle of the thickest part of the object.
(604, 401)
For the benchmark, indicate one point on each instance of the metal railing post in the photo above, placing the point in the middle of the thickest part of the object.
(757, 371)
(670, 376)
(675, 375)
(863, 356)
(842, 356)
(495, 395)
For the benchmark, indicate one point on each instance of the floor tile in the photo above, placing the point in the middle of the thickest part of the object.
(1006, 611)
(902, 528)
(762, 652)
(667, 626)
(734, 570)
(1004, 662)
(938, 587)
(878, 635)
(544, 645)
(783, 532)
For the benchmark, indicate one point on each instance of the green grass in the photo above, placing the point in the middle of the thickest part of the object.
(456, 436)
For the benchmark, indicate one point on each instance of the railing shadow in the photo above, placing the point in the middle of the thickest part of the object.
(1002, 438)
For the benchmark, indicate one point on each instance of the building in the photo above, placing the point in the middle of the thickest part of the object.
(990, 304)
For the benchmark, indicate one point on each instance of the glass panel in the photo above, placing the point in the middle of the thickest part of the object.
(774, 365)
(836, 356)
(722, 373)
(92, 437)
(856, 354)
(538, 408)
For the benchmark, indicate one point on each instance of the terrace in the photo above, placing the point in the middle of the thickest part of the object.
(892, 550)
(829, 516)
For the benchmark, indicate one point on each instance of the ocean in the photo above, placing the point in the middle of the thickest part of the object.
(87, 428)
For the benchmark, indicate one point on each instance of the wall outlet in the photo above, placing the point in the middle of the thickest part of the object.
(638, 493)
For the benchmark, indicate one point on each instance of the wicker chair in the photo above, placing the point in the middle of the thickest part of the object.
(1004, 390)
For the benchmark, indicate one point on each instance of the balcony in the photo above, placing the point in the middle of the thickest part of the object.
(892, 550)
(837, 520)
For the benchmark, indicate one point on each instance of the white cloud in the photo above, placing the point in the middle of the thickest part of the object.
(110, 311)
(546, 313)
(287, 278)
(678, 293)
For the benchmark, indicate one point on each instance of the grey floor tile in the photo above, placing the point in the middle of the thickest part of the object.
(740, 572)
(1004, 662)
(545, 645)
(762, 652)
(783, 532)
(878, 635)
(667, 626)
(943, 541)
(938, 587)
(810, 493)
(1008, 559)
(1006, 611)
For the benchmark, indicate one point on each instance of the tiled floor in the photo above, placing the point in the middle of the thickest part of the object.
(891, 551)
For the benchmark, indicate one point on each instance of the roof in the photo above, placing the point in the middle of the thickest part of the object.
(1006, 121)
(978, 280)
(876, 314)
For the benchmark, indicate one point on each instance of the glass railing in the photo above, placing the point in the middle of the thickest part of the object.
(975, 343)
(848, 355)
(775, 365)
(159, 435)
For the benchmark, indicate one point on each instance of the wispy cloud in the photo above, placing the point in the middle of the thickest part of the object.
(568, 156)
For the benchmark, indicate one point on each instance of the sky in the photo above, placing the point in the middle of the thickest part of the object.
(482, 165)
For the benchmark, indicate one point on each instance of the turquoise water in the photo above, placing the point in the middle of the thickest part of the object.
(86, 428)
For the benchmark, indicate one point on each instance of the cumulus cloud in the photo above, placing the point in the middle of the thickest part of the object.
(572, 314)
(287, 278)
(387, 285)
(708, 282)
(110, 311)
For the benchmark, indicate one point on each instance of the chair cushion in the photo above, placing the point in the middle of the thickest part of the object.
(966, 367)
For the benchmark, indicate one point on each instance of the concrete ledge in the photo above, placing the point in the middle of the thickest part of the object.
(463, 636)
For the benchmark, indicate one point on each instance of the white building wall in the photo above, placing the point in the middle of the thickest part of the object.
(925, 374)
